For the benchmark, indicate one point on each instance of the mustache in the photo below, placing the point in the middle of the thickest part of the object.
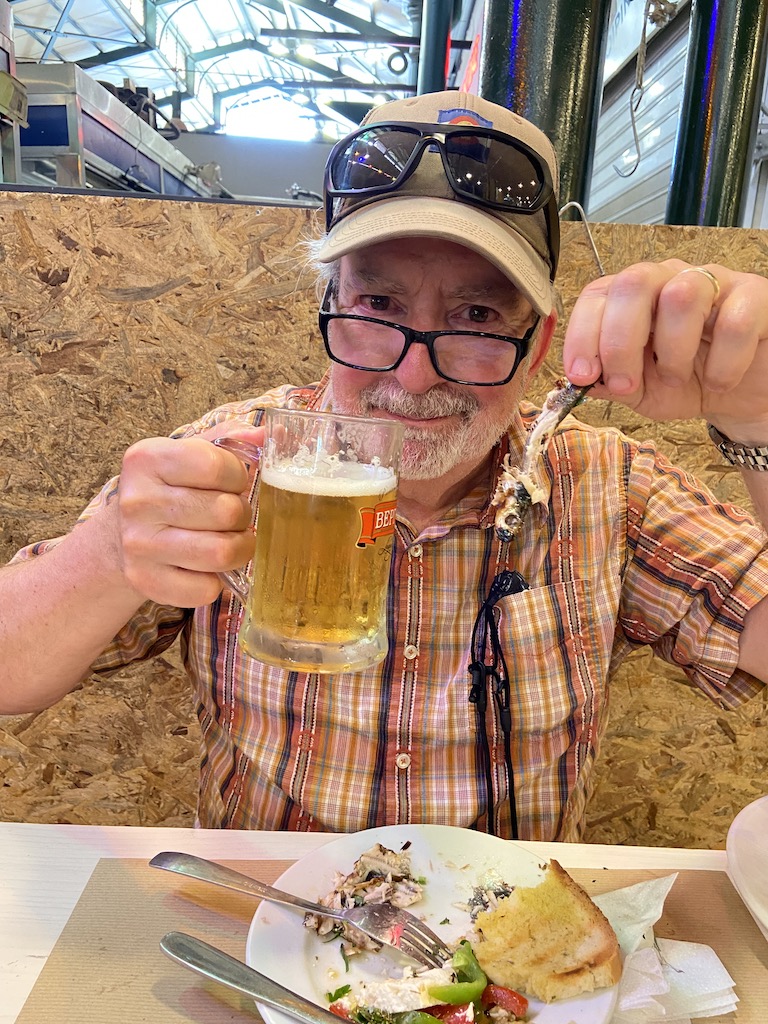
(441, 400)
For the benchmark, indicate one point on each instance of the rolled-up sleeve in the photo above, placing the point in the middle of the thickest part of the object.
(695, 568)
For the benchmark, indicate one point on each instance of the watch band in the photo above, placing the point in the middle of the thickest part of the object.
(738, 454)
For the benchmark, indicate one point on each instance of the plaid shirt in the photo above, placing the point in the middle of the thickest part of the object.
(625, 551)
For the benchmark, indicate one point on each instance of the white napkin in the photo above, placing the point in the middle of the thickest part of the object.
(663, 980)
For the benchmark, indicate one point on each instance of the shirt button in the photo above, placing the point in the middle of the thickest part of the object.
(403, 761)
(411, 652)
(415, 551)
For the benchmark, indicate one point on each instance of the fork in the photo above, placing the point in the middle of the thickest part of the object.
(387, 925)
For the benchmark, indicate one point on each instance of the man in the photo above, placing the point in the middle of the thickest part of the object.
(442, 218)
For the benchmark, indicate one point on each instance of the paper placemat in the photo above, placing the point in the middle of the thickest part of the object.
(107, 967)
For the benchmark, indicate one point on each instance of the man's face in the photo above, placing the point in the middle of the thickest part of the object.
(431, 284)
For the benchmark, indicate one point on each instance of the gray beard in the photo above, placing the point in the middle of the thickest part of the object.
(430, 454)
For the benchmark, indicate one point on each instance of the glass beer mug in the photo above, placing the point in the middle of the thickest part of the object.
(316, 599)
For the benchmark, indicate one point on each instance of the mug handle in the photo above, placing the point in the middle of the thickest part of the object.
(236, 580)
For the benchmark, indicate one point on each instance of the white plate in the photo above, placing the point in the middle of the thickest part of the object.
(452, 860)
(747, 855)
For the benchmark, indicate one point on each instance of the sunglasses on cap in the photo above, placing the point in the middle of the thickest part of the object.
(481, 165)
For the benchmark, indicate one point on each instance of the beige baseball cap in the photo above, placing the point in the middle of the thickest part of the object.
(523, 245)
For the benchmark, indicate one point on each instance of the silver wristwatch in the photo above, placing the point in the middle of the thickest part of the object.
(739, 454)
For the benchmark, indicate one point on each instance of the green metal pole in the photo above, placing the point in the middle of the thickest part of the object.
(435, 34)
(544, 60)
(720, 110)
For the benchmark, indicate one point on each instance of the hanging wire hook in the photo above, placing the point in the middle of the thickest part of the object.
(573, 205)
(658, 13)
(634, 102)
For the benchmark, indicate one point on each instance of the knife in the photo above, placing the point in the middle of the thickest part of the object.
(219, 966)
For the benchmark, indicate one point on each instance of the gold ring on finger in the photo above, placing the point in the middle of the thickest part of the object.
(709, 276)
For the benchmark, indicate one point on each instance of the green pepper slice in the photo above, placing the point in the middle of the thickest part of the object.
(471, 980)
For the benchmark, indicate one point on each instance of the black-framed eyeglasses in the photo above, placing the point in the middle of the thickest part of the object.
(482, 166)
(463, 357)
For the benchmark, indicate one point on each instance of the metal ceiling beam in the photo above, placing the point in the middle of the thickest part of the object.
(327, 10)
(272, 5)
(36, 33)
(150, 22)
(247, 20)
(63, 18)
(123, 50)
(251, 44)
(112, 56)
(319, 75)
(349, 37)
(285, 85)
(149, 45)
(86, 36)
(271, 33)
(73, 21)
(199, 56)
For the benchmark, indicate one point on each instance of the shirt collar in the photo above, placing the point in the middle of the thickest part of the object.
(321, 398)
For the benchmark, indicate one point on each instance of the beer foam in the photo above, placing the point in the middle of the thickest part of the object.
(350, 479)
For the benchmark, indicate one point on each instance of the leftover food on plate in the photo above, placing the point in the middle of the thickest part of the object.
(451, 864)
(486, 895)
(457, 993)
(547, 941)
(379, 876)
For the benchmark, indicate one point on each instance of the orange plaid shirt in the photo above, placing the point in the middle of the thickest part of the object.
(626, 551)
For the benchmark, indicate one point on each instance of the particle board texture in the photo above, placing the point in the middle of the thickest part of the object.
(125, 317)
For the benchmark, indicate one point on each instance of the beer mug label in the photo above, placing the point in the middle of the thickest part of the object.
(376, 522)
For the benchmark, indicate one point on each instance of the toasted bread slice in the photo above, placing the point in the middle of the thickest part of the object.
(549, 941)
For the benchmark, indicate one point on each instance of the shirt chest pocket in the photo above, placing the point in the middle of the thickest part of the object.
(557, 643)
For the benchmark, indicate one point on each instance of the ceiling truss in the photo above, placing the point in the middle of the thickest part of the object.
(195, 57)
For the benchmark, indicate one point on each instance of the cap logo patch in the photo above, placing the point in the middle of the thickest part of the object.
(460, 115)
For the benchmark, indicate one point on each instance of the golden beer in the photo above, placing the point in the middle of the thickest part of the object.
(321, 567)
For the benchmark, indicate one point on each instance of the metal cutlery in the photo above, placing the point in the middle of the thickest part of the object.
(219, 966)
(390, 926)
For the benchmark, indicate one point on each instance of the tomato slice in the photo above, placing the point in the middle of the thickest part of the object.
(450, 1013)
(506, 998)
(340, 1010)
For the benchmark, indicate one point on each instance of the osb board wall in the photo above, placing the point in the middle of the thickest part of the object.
(124, 317)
